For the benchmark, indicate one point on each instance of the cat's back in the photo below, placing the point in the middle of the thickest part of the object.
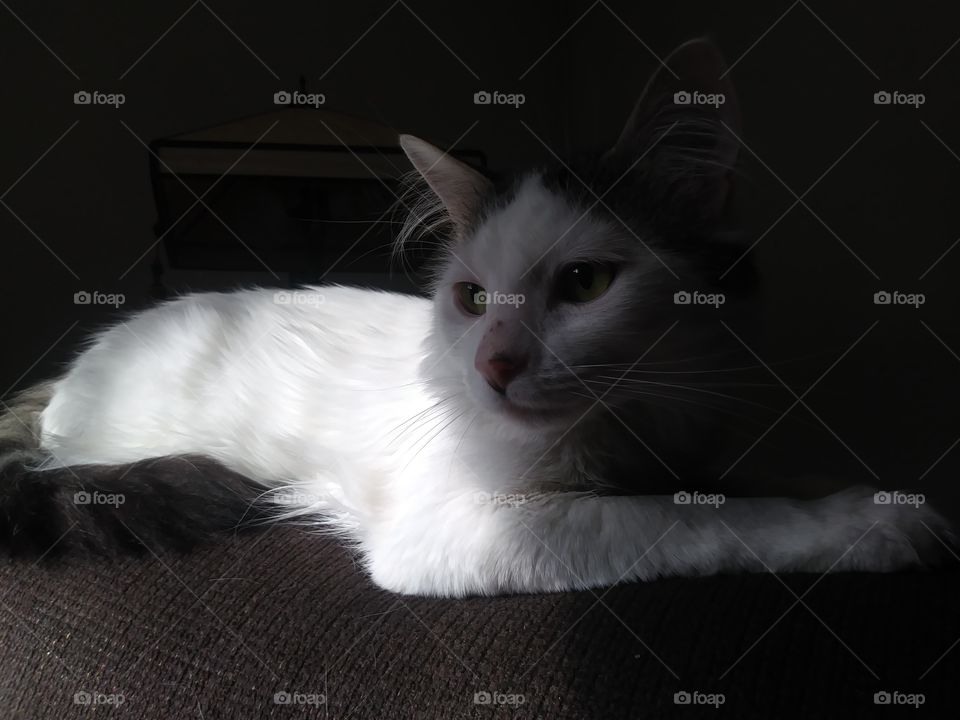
(211, 367)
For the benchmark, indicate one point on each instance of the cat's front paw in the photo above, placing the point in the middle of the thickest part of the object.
(885, 531)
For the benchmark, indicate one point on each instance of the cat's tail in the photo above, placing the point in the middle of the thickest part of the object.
(172, 502)
(20, 419)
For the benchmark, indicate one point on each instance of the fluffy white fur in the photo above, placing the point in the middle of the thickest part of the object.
(362, 412)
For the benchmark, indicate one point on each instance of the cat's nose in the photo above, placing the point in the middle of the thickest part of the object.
(500, 369)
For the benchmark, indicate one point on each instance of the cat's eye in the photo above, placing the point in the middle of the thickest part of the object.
(583, 282)
(470, 297)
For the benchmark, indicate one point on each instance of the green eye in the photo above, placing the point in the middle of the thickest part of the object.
(471, 297)
(583, 282)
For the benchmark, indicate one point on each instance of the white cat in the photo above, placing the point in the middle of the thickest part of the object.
(468, 443)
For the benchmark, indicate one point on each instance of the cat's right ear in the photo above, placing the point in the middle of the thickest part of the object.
(459, 187)
(688, 118)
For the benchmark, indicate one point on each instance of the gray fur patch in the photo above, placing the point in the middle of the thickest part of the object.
(20, 419)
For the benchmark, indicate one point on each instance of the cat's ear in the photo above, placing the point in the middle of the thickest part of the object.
(459, 187)
(688, 119)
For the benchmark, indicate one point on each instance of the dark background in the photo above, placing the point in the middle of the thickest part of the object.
(880, 218)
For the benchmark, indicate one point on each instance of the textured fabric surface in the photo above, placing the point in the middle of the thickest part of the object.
(218, 633)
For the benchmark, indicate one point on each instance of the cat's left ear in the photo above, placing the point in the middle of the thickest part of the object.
(688, 119)
(460, 188)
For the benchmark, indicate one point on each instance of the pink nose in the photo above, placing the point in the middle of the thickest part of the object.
(499, 370)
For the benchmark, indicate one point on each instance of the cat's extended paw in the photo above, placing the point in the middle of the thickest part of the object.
(885, 531)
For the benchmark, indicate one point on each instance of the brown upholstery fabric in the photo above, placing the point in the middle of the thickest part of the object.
(216, 634)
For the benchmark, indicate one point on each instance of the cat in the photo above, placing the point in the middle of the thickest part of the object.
(488, 439)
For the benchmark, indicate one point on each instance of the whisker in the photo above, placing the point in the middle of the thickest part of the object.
(444, 423)
(670, 400)
(671, 372)
(620, 384)
(418, 420)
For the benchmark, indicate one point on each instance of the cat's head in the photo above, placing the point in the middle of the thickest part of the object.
(562, 279)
